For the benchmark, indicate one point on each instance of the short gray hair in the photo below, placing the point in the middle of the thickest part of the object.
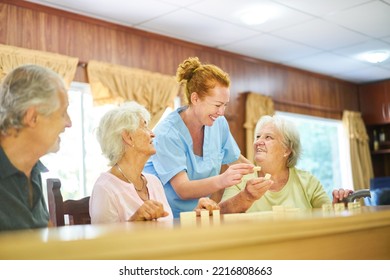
(26, 86)
(290, 135)
(125, 117)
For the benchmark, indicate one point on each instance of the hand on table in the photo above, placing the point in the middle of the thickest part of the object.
(206, 203)
(340, 194)
(150, 210)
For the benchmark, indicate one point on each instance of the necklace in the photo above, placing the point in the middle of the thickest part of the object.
(142, 177)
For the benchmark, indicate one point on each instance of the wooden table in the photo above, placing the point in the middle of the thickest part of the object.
(362, 233)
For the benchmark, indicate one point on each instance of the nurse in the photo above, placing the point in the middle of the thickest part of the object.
(193, 142)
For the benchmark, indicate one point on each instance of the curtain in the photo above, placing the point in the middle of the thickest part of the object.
(257, 105)
(361, 163)
(115, 84)
(12, 57)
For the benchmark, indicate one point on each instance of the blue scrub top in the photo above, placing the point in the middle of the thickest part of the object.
(175, 154)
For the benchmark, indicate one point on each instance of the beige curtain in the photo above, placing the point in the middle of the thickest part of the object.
(115, 84)
(257, 105)
(361, 163)
(11, 57)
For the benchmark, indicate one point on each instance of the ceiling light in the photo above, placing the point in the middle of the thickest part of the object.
(375, 56)
(256, 15)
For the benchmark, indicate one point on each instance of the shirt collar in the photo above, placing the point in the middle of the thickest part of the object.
(8, 169)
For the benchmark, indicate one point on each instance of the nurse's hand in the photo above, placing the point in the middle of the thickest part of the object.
(234, 174)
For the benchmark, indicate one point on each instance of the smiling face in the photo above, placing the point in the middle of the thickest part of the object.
(269, 148)
(50, 127)
(211, 106)
(142, 139)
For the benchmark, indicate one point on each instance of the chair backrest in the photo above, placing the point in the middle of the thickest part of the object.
(78, 210)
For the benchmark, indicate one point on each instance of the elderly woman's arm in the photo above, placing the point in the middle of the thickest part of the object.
(236, 200)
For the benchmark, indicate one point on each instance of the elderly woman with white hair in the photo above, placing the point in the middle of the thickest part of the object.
(277, 149)
(124, 193)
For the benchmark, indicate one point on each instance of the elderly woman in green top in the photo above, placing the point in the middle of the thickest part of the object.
(276, 150)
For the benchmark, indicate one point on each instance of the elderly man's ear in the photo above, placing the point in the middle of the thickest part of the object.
(30, 118)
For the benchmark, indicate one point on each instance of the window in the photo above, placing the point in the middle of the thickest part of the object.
(79, 161)
(324, 150)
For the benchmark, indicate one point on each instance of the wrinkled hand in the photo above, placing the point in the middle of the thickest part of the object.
(340, 194)
(205, 203)
(234, 173)
(150, 210)
(255, 188)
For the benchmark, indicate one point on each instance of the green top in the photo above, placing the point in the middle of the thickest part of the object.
(15, 209)
(302, 190)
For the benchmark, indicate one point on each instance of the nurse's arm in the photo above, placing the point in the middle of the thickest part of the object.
(241, 159)
(192, 189)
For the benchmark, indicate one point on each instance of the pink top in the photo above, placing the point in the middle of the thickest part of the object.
(113, 200)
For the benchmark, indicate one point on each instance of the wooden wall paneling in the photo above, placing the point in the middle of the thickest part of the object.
(347, 93)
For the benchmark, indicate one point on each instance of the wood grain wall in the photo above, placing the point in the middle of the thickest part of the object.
(28, 25)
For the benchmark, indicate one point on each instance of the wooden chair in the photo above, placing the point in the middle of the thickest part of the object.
(78, 210)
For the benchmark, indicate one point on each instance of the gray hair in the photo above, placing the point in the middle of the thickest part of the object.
(125, 117)
(290, 136)
(26, 86)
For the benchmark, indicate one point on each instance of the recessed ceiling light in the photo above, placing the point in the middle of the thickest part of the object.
(256, 15)
(375, 56)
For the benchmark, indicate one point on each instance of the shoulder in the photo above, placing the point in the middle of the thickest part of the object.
(171, 127)
(170, 122)
(305, 177)
(40, 167)
(154, 183)
(152, 179)
(301, 173)
(105, 181)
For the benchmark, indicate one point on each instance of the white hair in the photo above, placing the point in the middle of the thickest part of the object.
(125, 117)
(290, 136)
(26, 86)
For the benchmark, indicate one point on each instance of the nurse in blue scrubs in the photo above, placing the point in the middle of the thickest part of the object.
(193, 142)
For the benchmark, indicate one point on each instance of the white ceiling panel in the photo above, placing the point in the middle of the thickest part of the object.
(322, 7)
(182, 3)
(372, 19)
(330, 36)
(271, 48)
(355, 50)
(386, 39)
(232, 10)
(325, 63)
(200, 29)
(365, 75)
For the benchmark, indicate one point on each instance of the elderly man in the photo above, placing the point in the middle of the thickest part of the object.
(33, 113)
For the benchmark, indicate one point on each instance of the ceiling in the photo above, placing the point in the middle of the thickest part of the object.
(322, 36)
